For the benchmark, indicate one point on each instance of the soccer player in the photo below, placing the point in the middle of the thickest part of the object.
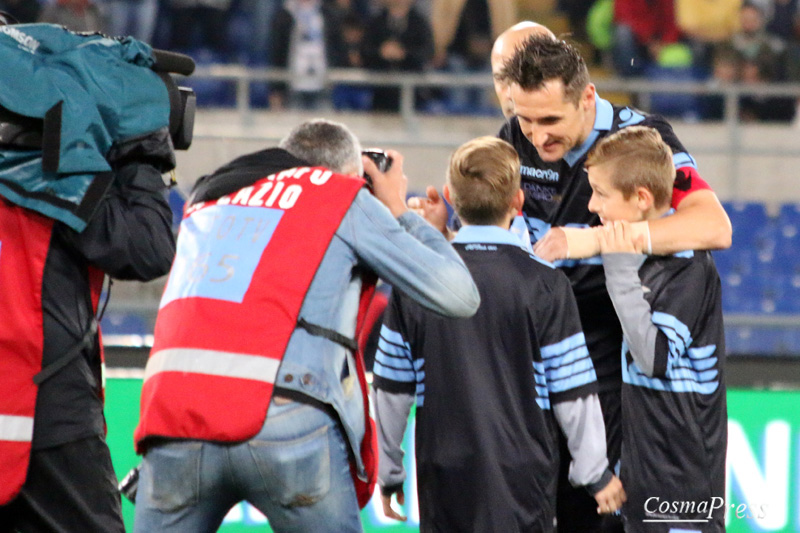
(559, 117)
(490, 388)
(674, 417)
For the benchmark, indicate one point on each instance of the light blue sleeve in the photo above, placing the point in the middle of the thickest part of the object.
(410, 254)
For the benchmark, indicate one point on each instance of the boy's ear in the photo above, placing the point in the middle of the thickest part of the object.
(644, 199)
(518, 201)
(446, 194)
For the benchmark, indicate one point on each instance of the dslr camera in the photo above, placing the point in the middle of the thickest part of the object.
(381, 160)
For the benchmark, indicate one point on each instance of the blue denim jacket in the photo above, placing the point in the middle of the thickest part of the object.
(406, 252)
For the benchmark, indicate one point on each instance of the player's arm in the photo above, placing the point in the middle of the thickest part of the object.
(394, 386)
(653, 336)
(581, 420)
(699, 223)
(621, 261)
(391, 417)
(572, 388)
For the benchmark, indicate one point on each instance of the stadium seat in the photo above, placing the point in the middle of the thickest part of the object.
(752, 226)
(124, 323)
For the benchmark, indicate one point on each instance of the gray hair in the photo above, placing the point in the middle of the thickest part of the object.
(327, 144)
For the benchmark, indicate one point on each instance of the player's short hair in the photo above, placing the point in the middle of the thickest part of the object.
(540, 59)
(483, 176)
(325, 143)
(640, 158)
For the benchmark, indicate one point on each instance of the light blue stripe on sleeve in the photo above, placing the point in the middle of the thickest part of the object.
(395, 355)
(544, 403)
(581, 365)
(682, 159)
(394, 337)
(679, 336)
(573, 382)
(386, 372)
(560, 348)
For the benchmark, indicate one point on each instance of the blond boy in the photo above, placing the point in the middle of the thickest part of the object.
(674, 414)
(489, 388)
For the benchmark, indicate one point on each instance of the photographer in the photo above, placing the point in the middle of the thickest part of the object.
(260, 312)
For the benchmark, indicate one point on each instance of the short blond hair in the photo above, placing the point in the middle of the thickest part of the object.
(483, 177)
(640, 158)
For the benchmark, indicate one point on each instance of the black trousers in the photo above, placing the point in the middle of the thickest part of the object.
(70, 488)
(576, 510)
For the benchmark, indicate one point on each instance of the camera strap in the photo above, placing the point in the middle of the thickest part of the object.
(335, 336)
(53, 368)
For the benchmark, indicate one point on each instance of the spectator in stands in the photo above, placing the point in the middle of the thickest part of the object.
(76, 15)
(453, 22)
(200, 24)
(707, 24)
(754, 107)
(486, 459)
(725, 70)
(674, 415)
(467, 52)
(642, 28)
(347, 96)
(258, 15)
(783, 18)
(136, 18)
(24, 11)
(752, 40)
(306, 40)
(399, 40)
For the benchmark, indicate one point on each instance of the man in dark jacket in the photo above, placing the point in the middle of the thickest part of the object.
(70, 484)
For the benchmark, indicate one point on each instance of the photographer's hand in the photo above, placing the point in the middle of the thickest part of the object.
(390, 187)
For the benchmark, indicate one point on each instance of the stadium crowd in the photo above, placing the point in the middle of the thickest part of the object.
(725, 41)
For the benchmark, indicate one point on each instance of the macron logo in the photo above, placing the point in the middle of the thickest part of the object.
(538, 173)
(27, 42)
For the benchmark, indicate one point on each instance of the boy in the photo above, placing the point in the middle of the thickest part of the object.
(487, 388)
(673, 397)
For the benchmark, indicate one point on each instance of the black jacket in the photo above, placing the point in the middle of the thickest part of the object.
(128, 237)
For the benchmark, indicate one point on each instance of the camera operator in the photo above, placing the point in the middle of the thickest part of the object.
(70, 484)
(260, 312)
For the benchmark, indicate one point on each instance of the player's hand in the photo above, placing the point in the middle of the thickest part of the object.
(390, 187)
(432, 208)
(387, 504)
(617, 238)
(553, 246)
(611, 498)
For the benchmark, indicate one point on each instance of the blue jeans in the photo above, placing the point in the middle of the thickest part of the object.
(296, 471)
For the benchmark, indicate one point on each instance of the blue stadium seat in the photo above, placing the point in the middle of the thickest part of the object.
(741, 293)
(123, 323)
(752, 226)
(753, 341)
